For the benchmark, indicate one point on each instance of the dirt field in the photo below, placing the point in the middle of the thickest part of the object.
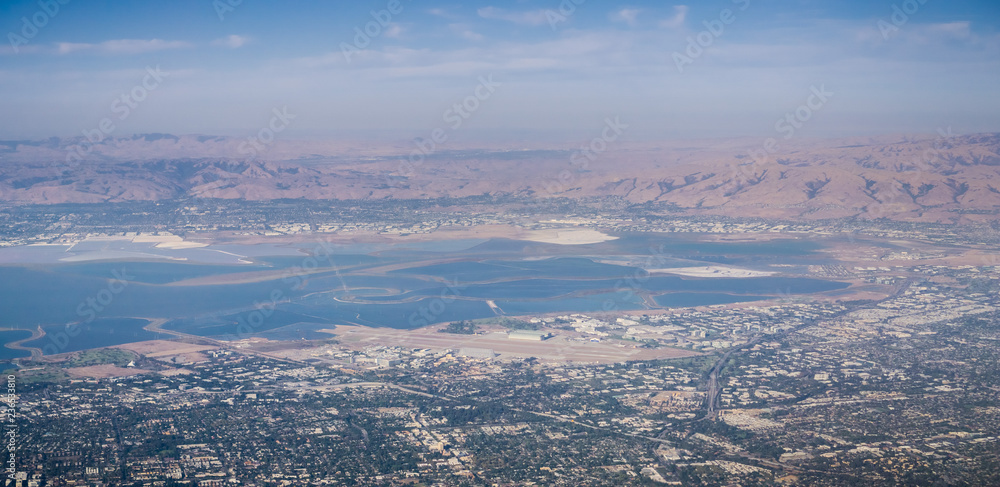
(172, 372)
(165, 348)
(442, 233)
(104, 371)
(863, 253)
(559, 348)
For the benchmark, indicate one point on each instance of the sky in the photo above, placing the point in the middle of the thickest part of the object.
(722, 68)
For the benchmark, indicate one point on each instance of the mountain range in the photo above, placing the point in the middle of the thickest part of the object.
(939, 178)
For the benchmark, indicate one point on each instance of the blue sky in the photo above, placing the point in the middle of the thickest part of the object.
(558, 72)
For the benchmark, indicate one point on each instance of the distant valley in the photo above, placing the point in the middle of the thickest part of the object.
(954, 179)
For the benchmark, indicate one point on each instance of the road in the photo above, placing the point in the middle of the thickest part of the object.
(36, 353)
(713, 382)
(156, 326)
(712, 401)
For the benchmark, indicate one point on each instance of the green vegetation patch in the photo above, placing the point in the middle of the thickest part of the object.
(463, 327)
(38, 375)
(101, 356)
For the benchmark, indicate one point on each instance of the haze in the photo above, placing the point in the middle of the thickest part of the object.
(559, 69)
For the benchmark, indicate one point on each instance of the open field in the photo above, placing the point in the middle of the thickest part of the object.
(444, 232)
(104, 371)
(173, 372)
(164, 348)
(567, 236)
(713, 271)
(563, 347)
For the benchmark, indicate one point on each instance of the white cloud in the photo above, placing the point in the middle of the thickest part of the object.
(627, 15)
(580, 52)
(680, 14)
(394, 31)
(465, 32)
(122, 46)
(553, 77)
(232, 41)
(529, 17)
(440, 12)
(8, 50)
(68, 47)
(801, 48)
(957, 30)
(917, 34)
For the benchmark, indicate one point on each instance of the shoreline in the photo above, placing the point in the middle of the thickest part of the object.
(36, 353)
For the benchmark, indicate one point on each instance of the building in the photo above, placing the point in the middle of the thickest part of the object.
(388, 361)
(528, 335)
(477, 353)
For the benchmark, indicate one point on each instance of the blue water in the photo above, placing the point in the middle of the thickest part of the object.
(153, 272)
(31, 297)
(32, 254)
(522, 278)
(679, 245)
(589, 303)
(320, 260)
(298, 331)
(764, 285)
(552, 288)
(96, 334)
(13, 336)
(472, 271)
(683, 300)
(247, 322)
(396, 315)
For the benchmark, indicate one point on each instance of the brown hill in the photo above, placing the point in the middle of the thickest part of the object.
(929, 178)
